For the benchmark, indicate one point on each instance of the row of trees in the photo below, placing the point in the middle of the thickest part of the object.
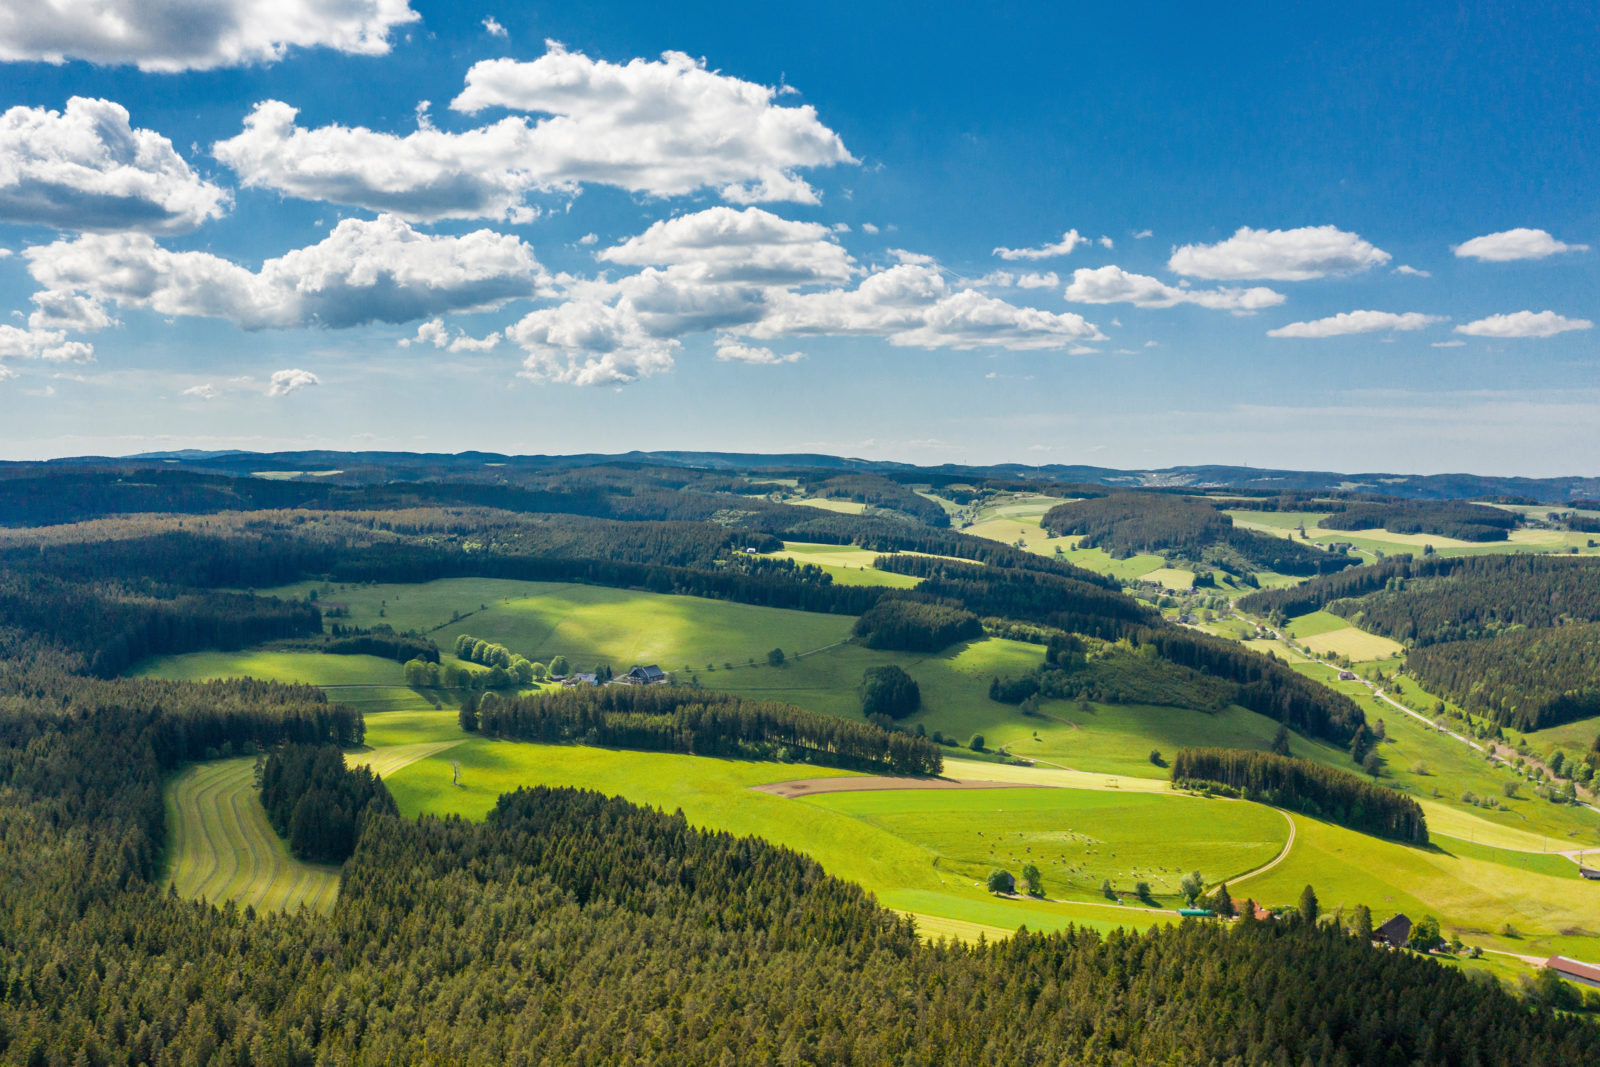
(488, 654)
(668, 719)
(1303, 786)
(381, 642)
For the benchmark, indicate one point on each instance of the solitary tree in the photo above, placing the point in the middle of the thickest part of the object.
(775, 658)
(1002, 882)
(1192, 886)
(976, 744)
(1032, 879)
(1309, 908)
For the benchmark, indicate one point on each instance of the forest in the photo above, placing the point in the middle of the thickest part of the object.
(1447, 518)
(915, 625)
(1303, 786)
(316, 803)
(877, 491)
(1125, 524)
(1426, 601)
(1525, 679)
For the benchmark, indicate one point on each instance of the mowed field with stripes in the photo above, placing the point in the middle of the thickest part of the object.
(223, 847)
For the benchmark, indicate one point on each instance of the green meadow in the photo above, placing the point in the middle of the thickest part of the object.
(1382, 542)
(223, 848)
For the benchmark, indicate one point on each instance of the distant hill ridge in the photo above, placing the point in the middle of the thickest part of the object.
(1410, 486)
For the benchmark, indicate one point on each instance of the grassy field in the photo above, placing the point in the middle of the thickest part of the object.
(1373, 542)
(1078, 838)
(1433, 766)
(844, 507)
(223, 848)
(1475, 890)
(909, 869)
(1327, 634)
(314, 668)
(587, 624)
(848, 564)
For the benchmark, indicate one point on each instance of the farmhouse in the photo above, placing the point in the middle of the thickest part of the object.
(1347, 676)
(646, 675)
(1395, 933)
(1583, 973)
(1257, 912)
(1589, 873)
(580, 679)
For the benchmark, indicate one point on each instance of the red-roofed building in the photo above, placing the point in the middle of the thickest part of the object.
(1584, 973)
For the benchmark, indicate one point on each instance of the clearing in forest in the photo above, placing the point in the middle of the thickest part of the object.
(223, 847)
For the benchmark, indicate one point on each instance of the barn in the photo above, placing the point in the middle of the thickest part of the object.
(1583, 973)
(1395, 933)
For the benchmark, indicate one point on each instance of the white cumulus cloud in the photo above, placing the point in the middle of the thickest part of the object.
(203, 391)
(1520, 243)
(732, 351)
(364, 271)
(663, 128)
(754, 278)
(1113, 285)
(285, 382)
(1523, 324)
(434, 332)
(1348, 322)
(750, 245)
(1069, 240)
(86, 168)
(1279, 255)
(493, 28)
(51, 346)
(174, 35)
(586, 342)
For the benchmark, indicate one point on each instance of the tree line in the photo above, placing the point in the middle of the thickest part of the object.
(669, 719)
(1303, 786)
(316, 803)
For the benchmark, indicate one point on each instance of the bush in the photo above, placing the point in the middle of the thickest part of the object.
(976, 744)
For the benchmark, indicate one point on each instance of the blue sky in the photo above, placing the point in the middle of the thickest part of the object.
(1273, 234)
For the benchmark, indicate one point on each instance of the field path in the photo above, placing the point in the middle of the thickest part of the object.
(223, 848)
(810, 787)
(1279, 858)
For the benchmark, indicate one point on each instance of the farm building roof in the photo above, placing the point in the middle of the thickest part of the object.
(1397, 931)
(1584, 972)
